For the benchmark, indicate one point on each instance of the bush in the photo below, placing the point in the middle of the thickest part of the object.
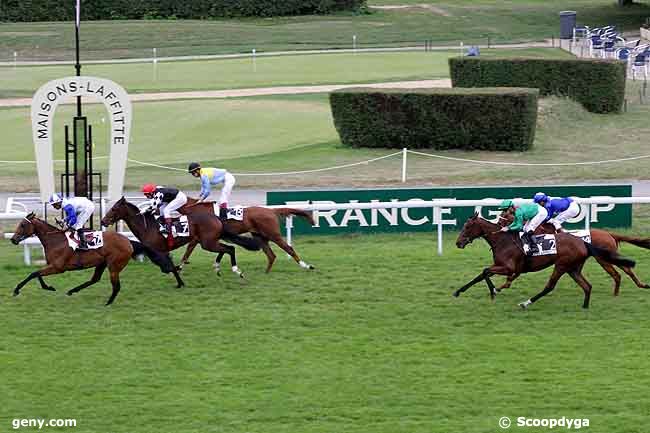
(599, 85)
(488, 119)
(64, 10)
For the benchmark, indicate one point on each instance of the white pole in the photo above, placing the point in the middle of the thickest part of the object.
(15, 58)
(27, 255)
(404, 152)
(254, 61)
(461, 48)
(155, 64)
(155, 60)
(437, 214)
(354, 43)
(588, 217)
(289, 224)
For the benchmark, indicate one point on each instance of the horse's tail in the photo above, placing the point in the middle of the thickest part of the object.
(251, 244)
(162, 260)
(639, 242)
(286, 211)
(609, 256)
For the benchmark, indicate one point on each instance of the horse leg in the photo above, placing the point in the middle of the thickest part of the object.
(270, 255)
(550, 285)
(609, 268)
(479, 278)
(636, 280)
(44, 285)
(179, 280)
(279, 241)
(97, 275)
(115, 283)
(48, 270)
(217, 263)
(582, 282)
(485, 275)
(230, 250)
(508, 282)
(188, 252)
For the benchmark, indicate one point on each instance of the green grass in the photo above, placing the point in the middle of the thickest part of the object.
(294, 133)
(371, 341)
(469, 20)
(264, 72)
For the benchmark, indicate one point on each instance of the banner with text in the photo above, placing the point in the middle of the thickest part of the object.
(422, 219)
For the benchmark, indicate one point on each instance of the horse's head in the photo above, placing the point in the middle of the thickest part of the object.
(472, 229)
(24, 229)
(118, 212)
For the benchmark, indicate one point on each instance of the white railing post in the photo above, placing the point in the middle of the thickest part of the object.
(588, 217)
(27, 255)
(404, 153)
(289, 224)
(438, 215)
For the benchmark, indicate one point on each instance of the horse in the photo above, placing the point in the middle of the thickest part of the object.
(601, 239)
(114, 254)
(204, 229)
(261, 222)
(509, 258)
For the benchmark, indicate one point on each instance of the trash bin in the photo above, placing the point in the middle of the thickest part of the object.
(567, 24)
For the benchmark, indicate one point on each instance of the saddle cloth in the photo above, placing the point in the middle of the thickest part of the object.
(180, 227)
(545, 243)
(234, 213)
(585, 235)
(94, 240)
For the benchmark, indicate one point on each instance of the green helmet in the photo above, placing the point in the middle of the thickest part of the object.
(506, 204)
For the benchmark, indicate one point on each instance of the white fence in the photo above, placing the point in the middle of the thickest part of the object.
(438, 206)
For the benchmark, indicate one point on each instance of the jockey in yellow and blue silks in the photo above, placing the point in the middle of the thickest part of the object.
(77, 211)
(531, 213)
(559, 209)
(211, 176)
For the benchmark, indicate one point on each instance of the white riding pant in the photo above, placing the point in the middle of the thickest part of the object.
(167, 209)
(228, 183)
(532, 224)
(84, 216)
(571, 212)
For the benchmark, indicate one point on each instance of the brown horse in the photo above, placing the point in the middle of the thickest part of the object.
(205, 230)
(599, 238)
(509, 258)
(261, 222)
(115, 254)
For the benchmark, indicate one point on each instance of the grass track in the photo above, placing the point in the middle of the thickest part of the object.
(371, 341)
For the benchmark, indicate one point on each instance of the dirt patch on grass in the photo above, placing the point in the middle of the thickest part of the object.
(422, 6)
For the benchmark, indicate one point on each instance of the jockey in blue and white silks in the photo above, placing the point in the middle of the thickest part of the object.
(559, 209)
(77, 211)
(211, 176)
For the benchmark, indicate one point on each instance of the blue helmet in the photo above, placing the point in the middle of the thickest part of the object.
(540, 196)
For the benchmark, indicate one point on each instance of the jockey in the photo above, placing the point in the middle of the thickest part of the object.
(213, 176)
(77, 211)
(166, 201)
(559, 209)
(532, 213)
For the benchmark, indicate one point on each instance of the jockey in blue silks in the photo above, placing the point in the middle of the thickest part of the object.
(77, 211)
(559, 209)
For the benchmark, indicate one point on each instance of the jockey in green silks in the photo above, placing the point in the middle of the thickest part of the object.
(527, 217)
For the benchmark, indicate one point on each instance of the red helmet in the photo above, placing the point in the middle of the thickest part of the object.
(148, 188)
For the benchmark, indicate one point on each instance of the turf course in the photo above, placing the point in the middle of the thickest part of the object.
(371, 341)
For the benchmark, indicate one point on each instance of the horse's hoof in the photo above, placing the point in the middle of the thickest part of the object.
(523, 305)
(311, 267)
(49, 288)
(241, 275)
(69, 293)
(16, 293)
(455, 294)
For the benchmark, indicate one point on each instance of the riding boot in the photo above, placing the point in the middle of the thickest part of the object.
(532, 245)
(82, 239)
(223, 214)
(170, 233)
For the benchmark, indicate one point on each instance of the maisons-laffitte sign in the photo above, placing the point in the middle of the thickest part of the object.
(116, 101)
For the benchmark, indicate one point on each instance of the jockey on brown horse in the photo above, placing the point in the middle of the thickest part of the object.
(509, 258)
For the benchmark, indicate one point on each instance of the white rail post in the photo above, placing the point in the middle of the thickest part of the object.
(588, 217)
(27, 255)
(438, 215)
(404, 153)
(289, 224)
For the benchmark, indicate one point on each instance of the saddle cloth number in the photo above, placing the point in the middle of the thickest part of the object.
(180, 227)
(235, 213)
(94, 240)
(546, 245)
(585, 235)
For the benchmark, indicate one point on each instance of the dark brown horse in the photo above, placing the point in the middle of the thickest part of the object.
(601, 239)
(205, 230)
(115, 254)
(261, 222)
(510, 259)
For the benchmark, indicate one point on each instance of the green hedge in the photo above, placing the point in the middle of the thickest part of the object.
(599, 85)
(64, 10)
(489, 119)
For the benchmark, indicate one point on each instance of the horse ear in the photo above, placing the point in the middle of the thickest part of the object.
(30, 215)
(475, 214)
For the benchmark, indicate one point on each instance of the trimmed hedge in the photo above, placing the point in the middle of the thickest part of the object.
(64, 10)
(488, 119)
(599, 85)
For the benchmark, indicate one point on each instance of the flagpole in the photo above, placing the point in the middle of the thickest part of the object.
(77, 64)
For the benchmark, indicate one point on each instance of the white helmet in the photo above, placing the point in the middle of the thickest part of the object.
(55, 198)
